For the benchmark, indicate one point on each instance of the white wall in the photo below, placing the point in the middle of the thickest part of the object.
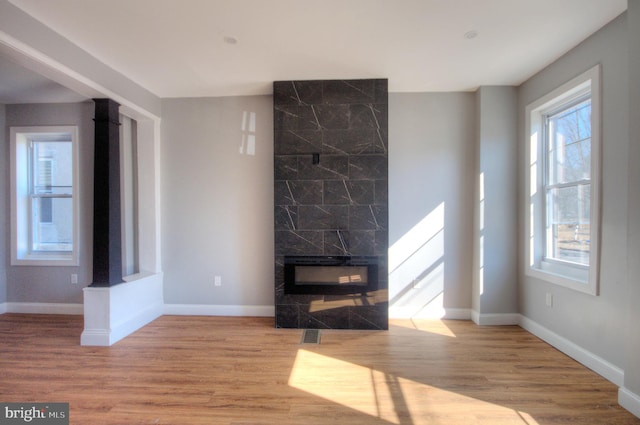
(217, 201)
(39, 284)
(593, 323)
(431, 177)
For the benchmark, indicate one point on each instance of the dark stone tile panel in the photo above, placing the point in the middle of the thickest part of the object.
(299, 242)
(336, 207)
(349, 192)
(295, 117)
(336, 243)
(297, 92)
(285, 167)
(362, 242)
(351, 141)
(382, 91)
(298, 142)
(351, 300)
(332, 117)
(287, 316)
(381, 192)
(333, 318)
(297, 299)
(282, 193)
(309, 92)
(284, 93)
(339, 92)
(381, 141)
(364, 116)
(331, 167)
(367, 217)
(286, 217)
(369, 317)
(298, 192)
(381, 242)
(368, 167)
(323, 217)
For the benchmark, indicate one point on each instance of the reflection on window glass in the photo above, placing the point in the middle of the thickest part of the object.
(568, 183)
(51, 189)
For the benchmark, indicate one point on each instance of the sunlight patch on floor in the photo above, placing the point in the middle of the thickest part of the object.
(432, 326)
(393, 399)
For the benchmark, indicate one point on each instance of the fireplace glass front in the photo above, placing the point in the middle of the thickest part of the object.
(330, 275)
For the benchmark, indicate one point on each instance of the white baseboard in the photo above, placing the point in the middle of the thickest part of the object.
(219, 310)
(457, 314)
(410, 312)
(629, 401)
(3, 308)
(44, 308)
(96, 337)
(587, 358)
(496, 319)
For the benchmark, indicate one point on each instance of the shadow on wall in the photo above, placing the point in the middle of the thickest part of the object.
(416, 267)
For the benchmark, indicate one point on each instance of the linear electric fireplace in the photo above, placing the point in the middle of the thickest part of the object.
(330, 275)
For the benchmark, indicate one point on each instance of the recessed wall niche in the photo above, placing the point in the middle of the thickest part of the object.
(330, 195)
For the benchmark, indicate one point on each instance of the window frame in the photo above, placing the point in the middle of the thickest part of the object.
(575, 276)
(21, 197)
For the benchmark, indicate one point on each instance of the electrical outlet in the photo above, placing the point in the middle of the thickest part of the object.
(549, 299)
(74, 279)
(217, 281)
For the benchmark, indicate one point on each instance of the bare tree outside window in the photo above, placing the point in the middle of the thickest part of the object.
(568, 184)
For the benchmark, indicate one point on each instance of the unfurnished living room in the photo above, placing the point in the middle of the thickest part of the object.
(235, 212)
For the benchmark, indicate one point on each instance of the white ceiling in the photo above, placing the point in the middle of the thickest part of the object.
(177, 48)
(21, 85)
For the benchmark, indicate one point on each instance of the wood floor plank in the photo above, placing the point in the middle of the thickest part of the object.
(240, 371)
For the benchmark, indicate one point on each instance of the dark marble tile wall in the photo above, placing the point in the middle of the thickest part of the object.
(338, 206)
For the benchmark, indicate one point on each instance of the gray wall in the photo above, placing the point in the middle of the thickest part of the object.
(495, 246)
(594, 323)
(632, 366)
(217, 201)
(4, 212)
(431, 169)
(53, 284)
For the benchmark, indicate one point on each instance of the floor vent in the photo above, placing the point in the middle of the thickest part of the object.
(310, 336)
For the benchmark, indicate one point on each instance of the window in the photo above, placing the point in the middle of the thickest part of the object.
(44, 210)
(563, 181)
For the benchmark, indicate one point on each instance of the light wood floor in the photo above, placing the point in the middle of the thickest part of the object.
(240, 371)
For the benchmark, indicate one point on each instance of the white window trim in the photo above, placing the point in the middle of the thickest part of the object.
(579, 278)
(20, 211)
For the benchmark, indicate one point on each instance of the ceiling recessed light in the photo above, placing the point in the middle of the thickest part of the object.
(230, 40)
(470, 34)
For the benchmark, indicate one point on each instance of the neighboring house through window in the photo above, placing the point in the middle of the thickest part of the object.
(44, 204)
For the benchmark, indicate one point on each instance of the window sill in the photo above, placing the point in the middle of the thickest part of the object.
(575, 278)
(45, 260)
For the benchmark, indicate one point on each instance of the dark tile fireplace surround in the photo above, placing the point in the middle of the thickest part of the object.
(331, 207)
